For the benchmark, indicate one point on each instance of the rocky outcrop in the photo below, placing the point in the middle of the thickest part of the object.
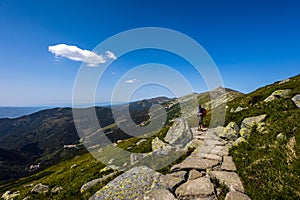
(40, 188)
(179, 134)
(133, 184)
(277, 94)
(296, 100)
(251, 121)
(190, 179)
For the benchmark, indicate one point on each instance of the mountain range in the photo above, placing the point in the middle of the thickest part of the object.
(267, 159)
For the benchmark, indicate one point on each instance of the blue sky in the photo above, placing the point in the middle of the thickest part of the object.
(253, 43)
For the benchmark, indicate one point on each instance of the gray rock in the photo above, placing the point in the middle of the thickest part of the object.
(277, 94)
(92, 183)
(10, 195)
(220, 150)
(228, 164)
(195, 163)
(198, 188)
(159, 194)
(231, 131)
(238, 109)
(210, 156)
(40, 188)
(133, 184)
(280, 136)
(194, 174)
(230, 179)
(179, 134)
(170, 181)
(157, 144)
(284, 81)
(251, 121)
(296, 100)
(218, 130)
(56, 190)
(238, 141)
(234, 195)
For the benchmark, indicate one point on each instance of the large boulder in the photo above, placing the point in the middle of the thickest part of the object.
(296, 100)
(179, 134)
(277, 94)
(40, 188)
(251, 121)
(133, 184)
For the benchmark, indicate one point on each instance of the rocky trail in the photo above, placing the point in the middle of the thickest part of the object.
(209, 161)
(209, 173)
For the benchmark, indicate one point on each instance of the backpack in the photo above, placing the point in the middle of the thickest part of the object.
(203, 112)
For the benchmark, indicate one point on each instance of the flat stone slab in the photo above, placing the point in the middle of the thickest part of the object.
(159, 194)
(230, 179)
(220, 150)
(233, 195)
(212, 142)
(194, 174)
(228, 164)
(194, 163)
(170, 181)
(210, 156)
(200, 187)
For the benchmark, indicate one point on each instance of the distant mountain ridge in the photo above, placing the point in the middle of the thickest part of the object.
(14, 112)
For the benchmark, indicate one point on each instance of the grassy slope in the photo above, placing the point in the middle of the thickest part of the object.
(85, 168)
(268, 166)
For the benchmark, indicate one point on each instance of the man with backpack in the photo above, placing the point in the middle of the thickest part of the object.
(201, 113)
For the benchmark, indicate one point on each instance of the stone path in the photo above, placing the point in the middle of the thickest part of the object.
(209, 161)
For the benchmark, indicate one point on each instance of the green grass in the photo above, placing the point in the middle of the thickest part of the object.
(268, 165)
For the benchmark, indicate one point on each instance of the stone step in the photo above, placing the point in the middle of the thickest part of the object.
(198, 188)
(228, 164)
(230, 179)
(192, 163)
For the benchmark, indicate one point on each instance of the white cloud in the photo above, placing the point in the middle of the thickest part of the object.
(131, 80)
(76, 54)
(111, 55)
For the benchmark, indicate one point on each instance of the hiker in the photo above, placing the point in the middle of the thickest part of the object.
(201, 113)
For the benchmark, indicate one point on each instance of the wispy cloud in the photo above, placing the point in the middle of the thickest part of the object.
(131, 80)
(74, 53)
(111, 55)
